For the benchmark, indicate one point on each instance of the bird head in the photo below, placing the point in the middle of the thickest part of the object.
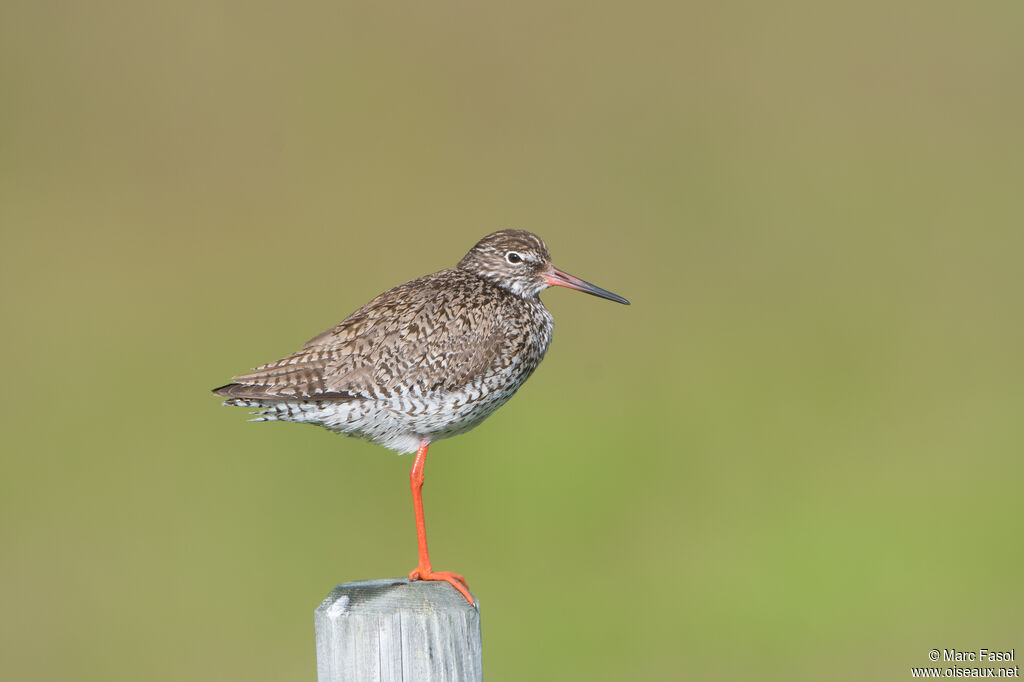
(519, 261)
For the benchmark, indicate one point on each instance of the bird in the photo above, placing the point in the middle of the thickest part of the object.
(426, 360)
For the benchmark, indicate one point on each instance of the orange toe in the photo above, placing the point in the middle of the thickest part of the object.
(453, 579)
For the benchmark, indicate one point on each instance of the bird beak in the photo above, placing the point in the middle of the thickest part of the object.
(557, 278)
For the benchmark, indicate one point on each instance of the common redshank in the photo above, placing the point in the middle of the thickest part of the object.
(427, 360)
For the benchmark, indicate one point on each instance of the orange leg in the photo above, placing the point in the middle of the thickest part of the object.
(423, 570)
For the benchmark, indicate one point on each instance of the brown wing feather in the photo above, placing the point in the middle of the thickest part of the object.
(420, 334)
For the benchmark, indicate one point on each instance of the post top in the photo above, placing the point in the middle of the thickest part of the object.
(389, 595)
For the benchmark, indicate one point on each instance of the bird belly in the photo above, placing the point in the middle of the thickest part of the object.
(399, 422)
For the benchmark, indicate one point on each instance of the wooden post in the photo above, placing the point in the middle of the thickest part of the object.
(397, 629)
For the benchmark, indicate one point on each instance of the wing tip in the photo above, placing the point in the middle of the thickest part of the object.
(256, 392)
(225, 390)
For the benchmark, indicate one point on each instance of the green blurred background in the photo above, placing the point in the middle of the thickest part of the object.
(796, 456)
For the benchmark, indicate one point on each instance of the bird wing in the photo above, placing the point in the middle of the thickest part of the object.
(300, 376)
(420, 336)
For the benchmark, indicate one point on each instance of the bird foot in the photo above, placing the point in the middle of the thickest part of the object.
(453, 579)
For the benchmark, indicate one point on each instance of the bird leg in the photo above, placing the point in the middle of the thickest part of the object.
(423, 570)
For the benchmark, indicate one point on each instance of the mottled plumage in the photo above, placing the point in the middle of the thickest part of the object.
(431, 358)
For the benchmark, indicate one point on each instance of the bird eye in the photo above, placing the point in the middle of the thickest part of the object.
(513, 257)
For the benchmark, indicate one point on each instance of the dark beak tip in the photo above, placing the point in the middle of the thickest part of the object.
(564, 279)
(615, 297)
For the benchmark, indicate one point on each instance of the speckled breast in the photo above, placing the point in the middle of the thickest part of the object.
(442, 414)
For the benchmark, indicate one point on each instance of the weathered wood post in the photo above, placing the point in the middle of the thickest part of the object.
(397, 629)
